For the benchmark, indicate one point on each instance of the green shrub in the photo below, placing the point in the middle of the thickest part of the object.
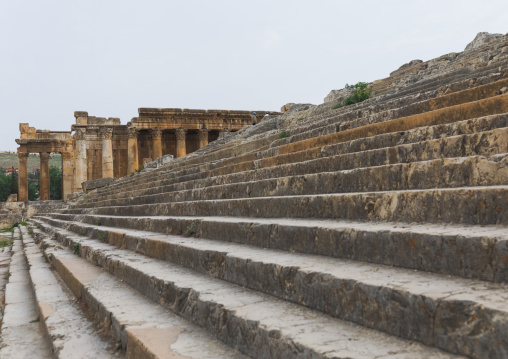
(361, 92)
(191, 229)
(102, 237)
(7, 230)
(283, 134)
(76, 247)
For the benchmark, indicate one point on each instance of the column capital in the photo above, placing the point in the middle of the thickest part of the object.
(44, 156)
(180, 134)
(132, 132)
(156, 133)
(80, 134)
(66, 156)
(23, 155)
(106, 133)
(203, 134)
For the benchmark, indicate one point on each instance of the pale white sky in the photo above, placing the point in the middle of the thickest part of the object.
(110, 57)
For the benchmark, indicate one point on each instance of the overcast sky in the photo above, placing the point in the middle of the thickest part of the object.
(110, 57)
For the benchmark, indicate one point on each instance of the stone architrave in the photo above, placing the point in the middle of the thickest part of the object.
(156, 143)
(107, 153)
(132, 151)
(67, 174)
(81, 170)
(181, 149)
(203, 138)
(22, 176)
(45, 185)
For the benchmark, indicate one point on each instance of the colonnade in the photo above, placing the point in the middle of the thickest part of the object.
(156, 144)
(75, 162)
(44, 191)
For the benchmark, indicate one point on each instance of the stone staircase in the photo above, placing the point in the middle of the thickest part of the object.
(378, 230)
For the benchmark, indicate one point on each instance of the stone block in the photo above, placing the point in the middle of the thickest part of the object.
(159, 162)
(94, 184)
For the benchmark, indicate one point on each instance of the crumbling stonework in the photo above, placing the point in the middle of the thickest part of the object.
(98, 147)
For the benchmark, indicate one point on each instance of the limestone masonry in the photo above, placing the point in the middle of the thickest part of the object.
(374, 230)
(98, 147)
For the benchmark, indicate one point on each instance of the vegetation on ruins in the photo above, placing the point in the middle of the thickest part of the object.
(361, 92)
(75, 246)
(283, 134)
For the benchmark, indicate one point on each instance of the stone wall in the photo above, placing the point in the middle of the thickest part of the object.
(99, 147)
(16, 212)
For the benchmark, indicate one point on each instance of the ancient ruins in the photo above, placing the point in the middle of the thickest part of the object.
(370, 230)
(98, 147)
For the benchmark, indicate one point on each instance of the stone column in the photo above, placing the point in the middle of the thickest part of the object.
(81, 170)
(181, 150)
(107, 153)
(44, 190)
(22, 176)
(156, 143)
(203, 138)
(132, 151)
(67, 174)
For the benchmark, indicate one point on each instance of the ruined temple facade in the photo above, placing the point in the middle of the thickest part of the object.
(98, 147)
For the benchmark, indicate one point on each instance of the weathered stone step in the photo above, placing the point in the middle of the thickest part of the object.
(255, 146)
(442, 173)
(5, 260)
(144, 328)
(454, 75)
(272, 157)
(22, 336)
(363, 118)
(71, 334)
(471, 110)
(470, 205)
(466, 251)
(381, 103)
(452, 96)
(279, 326)
(483, 144)
(481, 136)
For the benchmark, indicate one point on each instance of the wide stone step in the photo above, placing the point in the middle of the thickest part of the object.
(442, 173)
(470, 205)
(363, 118)
(483, 144)
(22, 336)
(250, 145)
(454, 75)
(466, 251)
(71, 334)
(270, 327)
(481, 91)
(5, 260)
(471, 110)
(143, 328)
(381, 103)
(481, 136)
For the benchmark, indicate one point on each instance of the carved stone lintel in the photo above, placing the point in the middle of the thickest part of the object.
(156, 134)
(180, 134)
(45, 156)
(23, 155)
(133, 133)
(203, 134)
